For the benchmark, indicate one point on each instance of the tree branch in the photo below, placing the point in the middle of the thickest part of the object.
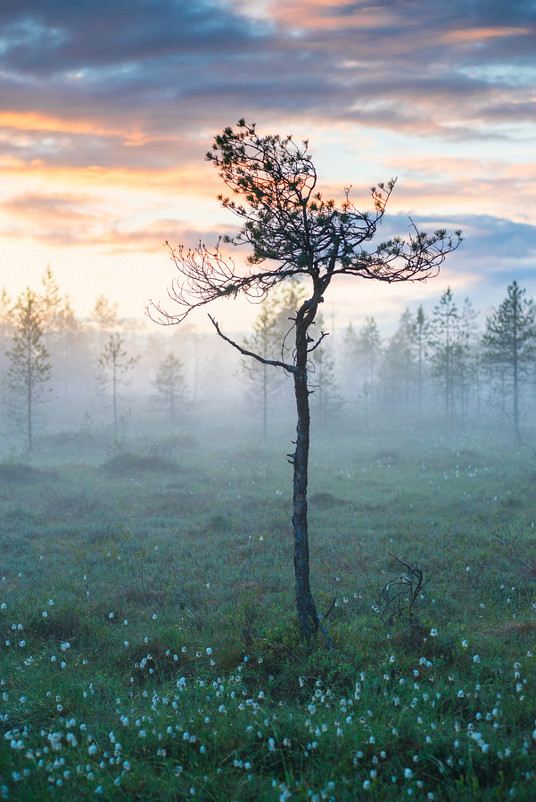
(205, 275)
(244, 351)
(317, 343)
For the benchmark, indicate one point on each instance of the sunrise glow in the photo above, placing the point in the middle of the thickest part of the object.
(108, 109)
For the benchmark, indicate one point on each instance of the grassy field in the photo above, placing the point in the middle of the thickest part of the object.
(149, 648)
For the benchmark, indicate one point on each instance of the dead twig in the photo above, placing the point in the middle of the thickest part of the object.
(400, 594)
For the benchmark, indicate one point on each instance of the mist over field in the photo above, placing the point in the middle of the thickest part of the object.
(149, 640)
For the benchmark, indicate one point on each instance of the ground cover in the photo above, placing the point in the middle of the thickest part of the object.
(148, 646)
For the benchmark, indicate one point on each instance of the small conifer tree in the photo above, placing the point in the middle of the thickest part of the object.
(169, 384)
(115, 364)
(510, 342)
(29, 369)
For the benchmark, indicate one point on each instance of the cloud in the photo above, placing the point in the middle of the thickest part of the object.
(52, 219)
(44, 39)
(125, 74)
(109, 107)
(65, 146)
(153, 237)
(494, 253)
(65, 221)
(486, 238)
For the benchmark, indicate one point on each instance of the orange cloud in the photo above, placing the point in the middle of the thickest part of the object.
(67, 219)
(316, 14)
(34, 121)
(483, 33)
(319, 14)
(201, 182)
(467, 186)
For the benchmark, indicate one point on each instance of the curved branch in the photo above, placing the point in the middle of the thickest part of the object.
(206, 275)
(317, 343)
(416, 258)
(244, 351)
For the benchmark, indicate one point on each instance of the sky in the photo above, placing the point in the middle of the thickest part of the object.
(108, 108)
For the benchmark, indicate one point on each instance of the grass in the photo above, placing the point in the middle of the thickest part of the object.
(148, 642)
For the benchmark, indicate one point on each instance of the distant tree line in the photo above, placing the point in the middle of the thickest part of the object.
(440, 363)
(445, 363)
(47, 353)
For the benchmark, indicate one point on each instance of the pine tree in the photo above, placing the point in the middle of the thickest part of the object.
(453, 352)
(362, 349)
(467, 362)
(55, 309)
(6, 315)
(398, 367)
(105, 320)
(62, 331)
(294, 233)
(49, 301)
(369, 348)
(270, 340)
(326, 397)
(265, 341)
(6, 324)
(115, 365)
(444, 347)
(30, 368)
(104, 314)
(169, 384)
(509, 344)
(422, 334)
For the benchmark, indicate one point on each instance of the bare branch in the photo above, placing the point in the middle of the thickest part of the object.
(317, 343)
(206, 275)
(333, 605)
(244, 351)
(400, 594)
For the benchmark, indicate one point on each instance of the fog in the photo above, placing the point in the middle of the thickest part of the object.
(359, 380)
(146, 506)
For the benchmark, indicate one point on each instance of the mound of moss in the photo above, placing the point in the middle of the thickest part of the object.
(126, 464)
(21, 473)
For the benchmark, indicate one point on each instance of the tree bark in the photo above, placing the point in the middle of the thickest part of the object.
(114, 393)
(29, 396)
(515, 355)
(306, 608)
(264, 401)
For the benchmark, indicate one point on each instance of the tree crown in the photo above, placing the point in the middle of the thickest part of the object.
(293, 228)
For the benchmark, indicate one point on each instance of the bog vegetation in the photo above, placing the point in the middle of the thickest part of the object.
(149, 644)
(149, 647)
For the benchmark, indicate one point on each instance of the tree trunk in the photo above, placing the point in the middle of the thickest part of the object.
(515, 355)
(29, 414)
(264, 399)
(114, 396)
(29, 397)
(307, 614)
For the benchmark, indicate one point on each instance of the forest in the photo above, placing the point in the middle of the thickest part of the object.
(149, 641)
(447, 364)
